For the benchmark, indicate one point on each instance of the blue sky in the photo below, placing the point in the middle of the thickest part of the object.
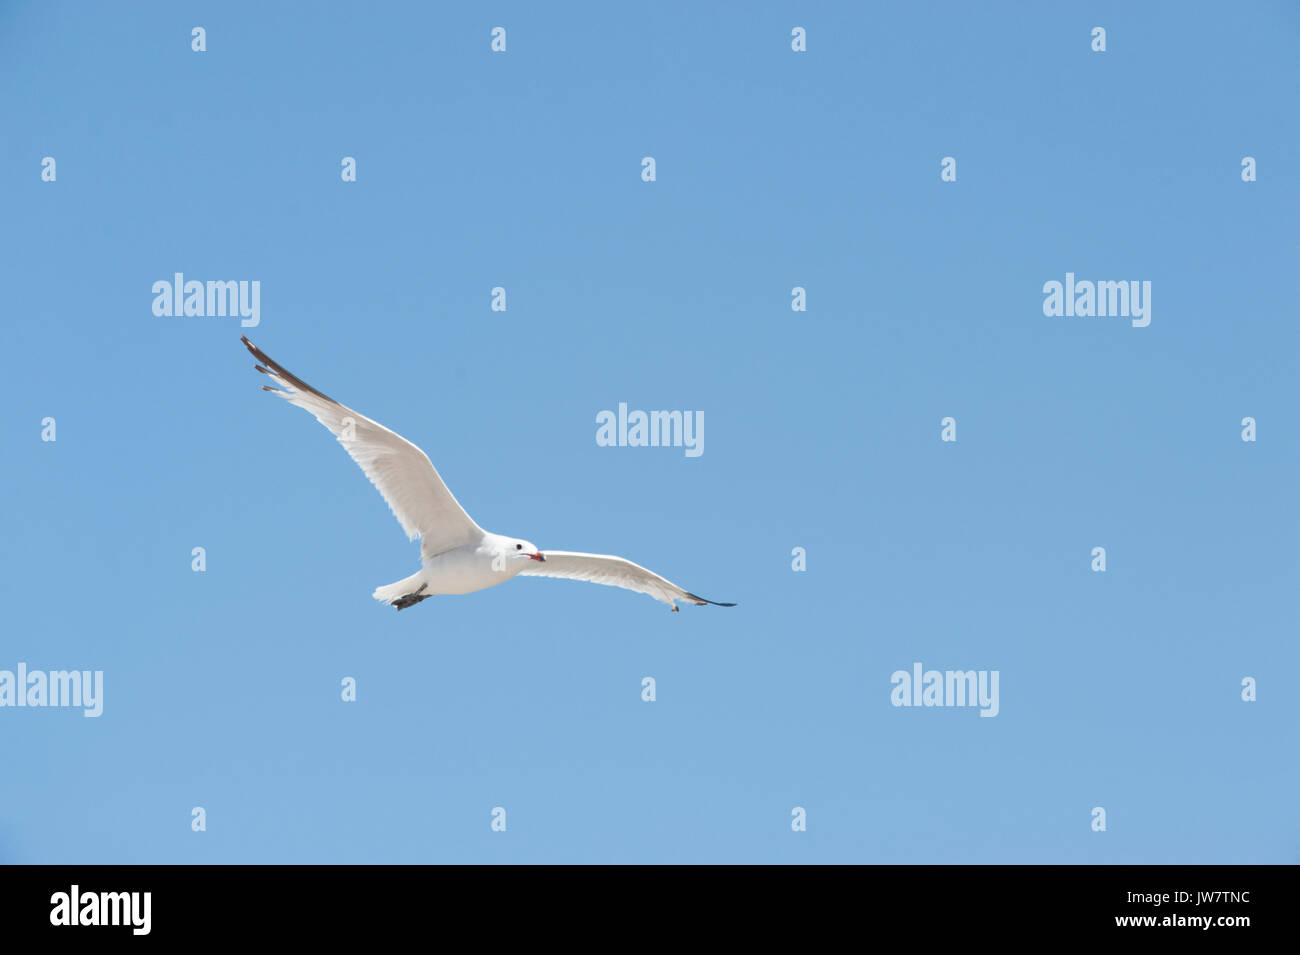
(774, 169)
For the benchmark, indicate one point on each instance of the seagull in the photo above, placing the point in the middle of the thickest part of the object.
(456, 555)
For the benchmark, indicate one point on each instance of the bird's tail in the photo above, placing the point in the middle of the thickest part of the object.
(392, 593)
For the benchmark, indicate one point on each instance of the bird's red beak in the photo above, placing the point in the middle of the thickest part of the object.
(538, 556)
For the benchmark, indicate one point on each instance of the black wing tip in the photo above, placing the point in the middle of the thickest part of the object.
(257, 353)
(274, 367)
(700, 601)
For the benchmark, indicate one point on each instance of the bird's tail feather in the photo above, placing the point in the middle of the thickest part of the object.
(390, 593)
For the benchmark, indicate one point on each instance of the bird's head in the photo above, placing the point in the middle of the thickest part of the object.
(522, 549)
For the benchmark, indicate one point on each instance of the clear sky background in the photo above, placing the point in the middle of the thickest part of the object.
(775, 169)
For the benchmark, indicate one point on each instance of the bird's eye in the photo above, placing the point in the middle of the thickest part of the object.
(519, 547)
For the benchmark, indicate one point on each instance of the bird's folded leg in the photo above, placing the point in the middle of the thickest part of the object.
(411, 599)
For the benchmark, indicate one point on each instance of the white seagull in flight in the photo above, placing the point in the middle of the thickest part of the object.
(457, 556)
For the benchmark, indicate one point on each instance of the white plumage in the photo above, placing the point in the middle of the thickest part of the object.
(457, 556)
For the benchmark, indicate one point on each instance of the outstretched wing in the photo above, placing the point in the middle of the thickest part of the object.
(613, 572)
(401, 472)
